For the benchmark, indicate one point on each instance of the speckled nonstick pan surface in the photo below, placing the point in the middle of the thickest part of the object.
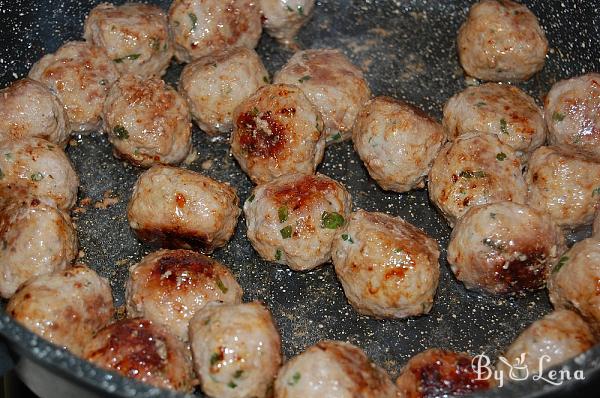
(407, 50)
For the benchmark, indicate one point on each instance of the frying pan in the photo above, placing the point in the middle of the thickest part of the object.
(407, 50)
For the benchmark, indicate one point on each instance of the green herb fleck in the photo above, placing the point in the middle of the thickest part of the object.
(121, 132)
(221, 285)
(286, 232)
(1, 174)
(103, 82)
(278, 255)
(231, 384)
(37, 176)
(496, 245)
(194, 20)
(501, 156)
(215, 358)
(563, 260)
(154, 44)
(266, 79)
(50, 147)
(130, 57)
(558, 117)
(295, 379)
(283, 213)
(8, 156)
(503, 126)
(304, 78)
(472, 174)
(398, 250)
(493, 216)
(596, 192)
(301, 11)
(250, 198)
(347, 238)
(238, 373)
(290, 9)
(480, 104)
(254, 112)
(335, 137)
(331, 220)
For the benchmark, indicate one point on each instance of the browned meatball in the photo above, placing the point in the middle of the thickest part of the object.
(277, 131)
(439, 373)
(142, 350)
(169, 286)
(66, 308)
(180, 208)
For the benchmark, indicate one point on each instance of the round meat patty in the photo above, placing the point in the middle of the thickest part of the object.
(168, 287)
(36, 240)
(573, 114)
(475, 169)
(178, 208)
(202, 27)
(565, 184)
(504, 247)
(142, 350)
(388, 267)
(216, 84)
(557, 337)
(499, 109)
(135, 36)
(282, 19)
(80, 74)
(29, 109)
(333, 369)
(440, 373)
(37, 168)
(397, 143)
(501, 40)
(147, 122)
(333, 84)
(67, 308)
(236, 350)
(294, 219)
(277, 131)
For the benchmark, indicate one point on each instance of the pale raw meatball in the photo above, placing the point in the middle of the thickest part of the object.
(499, 109)
(473, 170)
(388, 267)
(145, 351)
(147, 122)
(557, 337)
(169, 286)
(236, 350)
(333, 369)
(36, 167)
(282, 19)
(277, 131)
(438, 373)
(504, 247)
(67, 308)
(36, 240)
(573, 283)
(330, 81)
(294, 219)
(397, 143)
(29, 109)
(501, 40)
(180, 208)
(565, 184)
(80, 74)
(202, 27)
(216, 84)
(573, 113)
(135, 36)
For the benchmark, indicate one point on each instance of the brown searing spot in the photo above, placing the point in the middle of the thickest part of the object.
(181, 269)
(176, 238)
(257, 139)
(525, 274)
(303, 192)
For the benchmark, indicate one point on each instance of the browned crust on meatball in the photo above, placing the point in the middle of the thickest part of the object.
(303, 192)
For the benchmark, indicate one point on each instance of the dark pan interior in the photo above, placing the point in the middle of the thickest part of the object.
(407, 50)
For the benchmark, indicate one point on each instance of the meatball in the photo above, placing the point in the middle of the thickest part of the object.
(549, 341)
(29, 109)
(66, 308)
(277, 131)
(179, 208)
(565, 184)
(475, 169)
(573, 283)
(34, 166)
(499, 109)
(169, 286)
(501, 40)
(135, 36)
(80, 74)
(330, 81)
(333, 369)
(36, 240)
(388, 267)
(145, 351)
(282, 19)
(397, 143)
(573, 114)
(504, 247)
(216, 84)
(440, 373)
(236, 349)
(202, 27)
(294, 219)
(147, 122)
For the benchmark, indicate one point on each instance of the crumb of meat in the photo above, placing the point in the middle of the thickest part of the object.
(191, 157)
(108, 199)
(123, 261)
(120, 312)
(82, 205)
(380, 32)
(207, 164)
(81, 254)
